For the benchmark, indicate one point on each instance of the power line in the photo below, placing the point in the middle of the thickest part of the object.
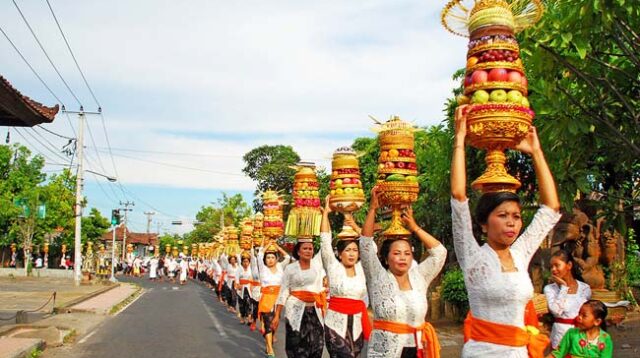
(88, 159)
(56, 154)
(54, 133)
(73, 56)
(173, 153)
(180, 166)
(46, 54)
(149, 205)
(94, 144)
(33, 147)
(113, 162)
(31, 67)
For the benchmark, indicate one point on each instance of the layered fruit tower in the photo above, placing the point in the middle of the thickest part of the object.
(272, 208)
(397, 171)
(232, 244)
(397, 161)
(246, 239)
(304, 219)
(346, 187)
(347, 194)
(258, 225)
(495, 83)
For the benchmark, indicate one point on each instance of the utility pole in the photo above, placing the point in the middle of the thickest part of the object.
(77, 258)
(149, 214)
(126, 209)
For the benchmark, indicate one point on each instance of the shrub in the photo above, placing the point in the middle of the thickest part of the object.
(453, 288)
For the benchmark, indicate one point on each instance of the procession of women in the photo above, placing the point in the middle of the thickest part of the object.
(361, 289)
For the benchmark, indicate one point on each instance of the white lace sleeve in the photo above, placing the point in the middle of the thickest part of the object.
(369, 257)
(284, 289)
(255, 272)
(326, 251)
(260, 259)
(225, 262)
(285, 261)
(431, 266)
(529, 242)
(556, 298)
(464, 243)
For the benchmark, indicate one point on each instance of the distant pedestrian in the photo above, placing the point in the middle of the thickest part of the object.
(153, 268)
(184, 270)
(172, 267)
(161, 268)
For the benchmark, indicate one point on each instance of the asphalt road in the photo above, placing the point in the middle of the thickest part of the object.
(170, 320)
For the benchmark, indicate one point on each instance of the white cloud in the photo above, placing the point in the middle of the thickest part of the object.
(165, 70)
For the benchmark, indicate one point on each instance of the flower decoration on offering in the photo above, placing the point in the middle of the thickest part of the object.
(397, 171)
(305, 217)
(347, 195)
(194, 250)
(258, 224)
(272, 207)
(495, 83)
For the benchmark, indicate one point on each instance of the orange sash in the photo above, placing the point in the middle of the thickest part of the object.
(350, 306)
(506, 335)
(255, 283)
(245, 282)
(310, 297)
(221, 281)
(430, 342)
(268, 298)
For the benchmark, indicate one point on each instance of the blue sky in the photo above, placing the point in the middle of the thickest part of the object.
(188, 87)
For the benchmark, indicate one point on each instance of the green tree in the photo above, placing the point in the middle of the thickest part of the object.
(232, 209)
(94, 226)
(270, 167)
(583, 66)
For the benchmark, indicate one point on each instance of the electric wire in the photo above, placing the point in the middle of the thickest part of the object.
(56, 154)
(54, 133)
(33, 147)
(31, 67)
(89, 160)
(72, 55)
(44, 138)
(46, 54)
(179, 166)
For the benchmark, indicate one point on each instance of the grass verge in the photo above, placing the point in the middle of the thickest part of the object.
(115, 309)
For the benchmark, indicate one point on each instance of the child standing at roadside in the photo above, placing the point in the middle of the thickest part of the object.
(589, 338)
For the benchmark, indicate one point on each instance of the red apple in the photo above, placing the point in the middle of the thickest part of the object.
(498, 74)
(389, 165)
(479, 76)
(514, 76)
(400, 165)
(346, 181)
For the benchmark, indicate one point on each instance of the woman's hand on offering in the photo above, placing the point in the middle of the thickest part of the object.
(530, 143)
(461, 122)
(327, 207)
(408, 220)
(349, 221)
(374, 204)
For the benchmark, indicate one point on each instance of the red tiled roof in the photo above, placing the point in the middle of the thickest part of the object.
(17, 109)
(132, 237)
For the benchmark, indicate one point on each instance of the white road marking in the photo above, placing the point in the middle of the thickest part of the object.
(216, 323)
(130, 303)
(175, 288)
(87, 337)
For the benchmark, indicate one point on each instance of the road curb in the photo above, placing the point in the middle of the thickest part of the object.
(23, 351)
(66, 308)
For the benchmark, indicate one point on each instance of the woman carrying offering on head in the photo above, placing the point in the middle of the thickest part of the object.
(302, 295)
(271, 272)
(346, 324)
(398, 291)
(495, 274)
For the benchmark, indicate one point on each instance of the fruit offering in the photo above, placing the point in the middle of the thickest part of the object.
(347, 195)
(246, 240)
(397, 171)
(495, 83)
(258, 224)
(304, 218)
(232, 245)
(272, 207)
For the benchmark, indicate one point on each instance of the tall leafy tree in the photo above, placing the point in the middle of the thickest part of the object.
(583, 65)
(270, 167)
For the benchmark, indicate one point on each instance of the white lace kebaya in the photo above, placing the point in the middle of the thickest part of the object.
(341, 285)
(296, 279)
(389, 303)
(562, 304)
(497, 296)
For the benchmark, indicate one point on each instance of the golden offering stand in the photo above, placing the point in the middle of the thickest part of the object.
(494, 123)
(347, 195)
(305, 217)
(397, 172)
(258, 226)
